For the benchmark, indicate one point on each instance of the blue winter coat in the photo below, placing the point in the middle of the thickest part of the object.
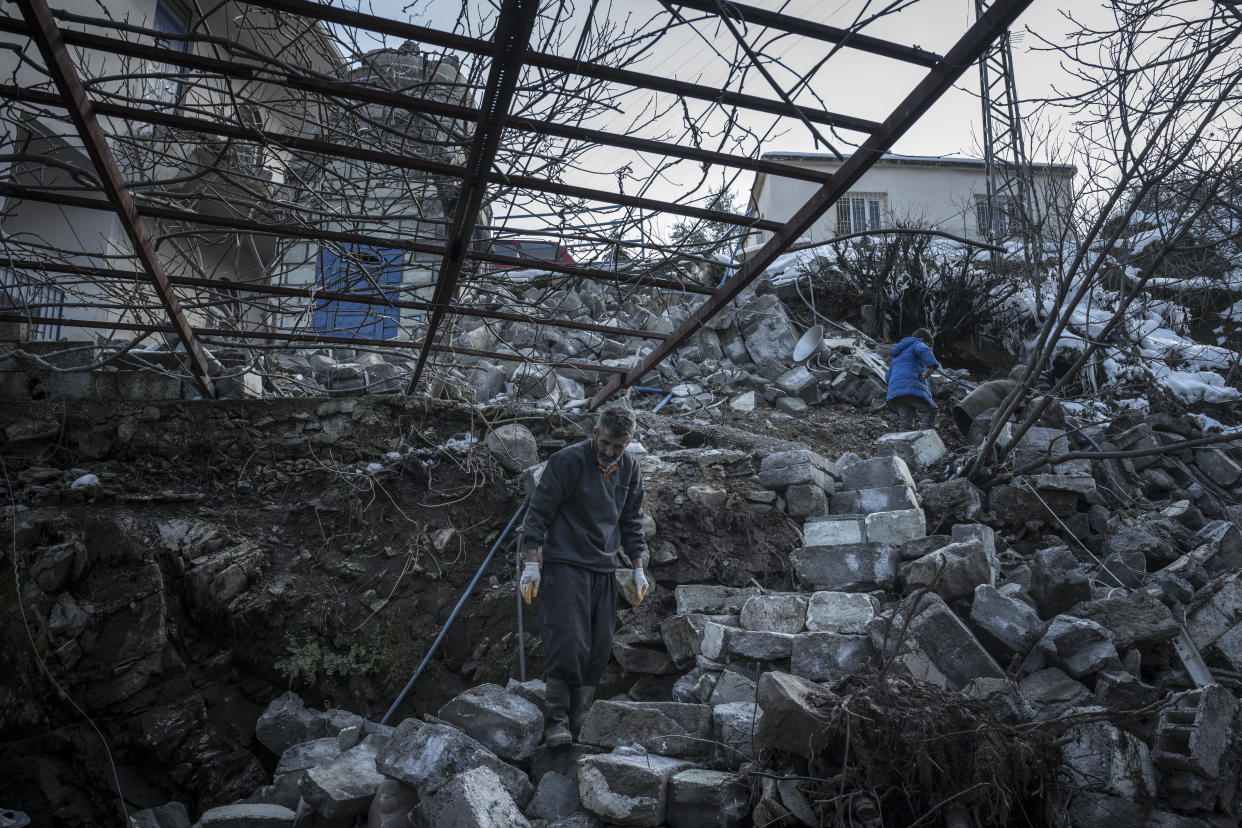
(911, 359)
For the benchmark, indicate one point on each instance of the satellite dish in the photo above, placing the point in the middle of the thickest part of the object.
(810, 344)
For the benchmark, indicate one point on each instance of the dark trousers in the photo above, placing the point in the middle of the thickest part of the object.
(907, 406)
(578, 610)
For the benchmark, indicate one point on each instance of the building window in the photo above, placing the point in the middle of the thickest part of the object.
(1008, 217)
(859, 212)
(165, 86)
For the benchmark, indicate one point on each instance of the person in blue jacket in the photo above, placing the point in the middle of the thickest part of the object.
(908, 390)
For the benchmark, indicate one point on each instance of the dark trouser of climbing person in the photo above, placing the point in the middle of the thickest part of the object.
(578, 611)
(907, 406)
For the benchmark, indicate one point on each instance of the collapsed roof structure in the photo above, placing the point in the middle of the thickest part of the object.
(528, 105)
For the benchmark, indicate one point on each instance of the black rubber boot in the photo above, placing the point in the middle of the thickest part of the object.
(579, 703)
(556, 718)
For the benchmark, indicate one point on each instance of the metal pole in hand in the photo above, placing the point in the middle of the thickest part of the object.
(521, 642)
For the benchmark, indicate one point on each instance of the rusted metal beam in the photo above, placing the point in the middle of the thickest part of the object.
(756, 16)
(994, 22)
(325, 295)
(306, 338)
(515, 22)
(47, 37)
(244, 225)
(423, 106)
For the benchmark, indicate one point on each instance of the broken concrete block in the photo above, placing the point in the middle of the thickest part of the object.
(731, 687)
(896, 527)
(952, 572)
(783, 613)
(472, 799)
(956, 500)
(1216, 610)
(1100, 757)
(829, 656)
(556, 796)
(798, 382)
(505, 723)
(533, 690)
(669, 728)
(914, 549)
(919, 449)
(712, 600)
(1051, 691)
(1135, 620)
(1058, 582)
(986, 535)
(794, 710)
(950, 646)
(285, 723)
(700, 798)
(805, 499)
(839, 612)
(1006, 626)
(344, 788)
(392, 804)
(877, 473)
(834, 530)
(1130, 539)
(1121, 690)
(627, 789)
(790, 468)
(248, 815)
(721, 643)
(1219, 467)
(514, 446)
(683, 636)
(1194, 731)
(1225, 541)
(428, 755)
(733, 728)
(709, 497)
(866, 501)
(1080, 647)
(307, 755)
(859, 566)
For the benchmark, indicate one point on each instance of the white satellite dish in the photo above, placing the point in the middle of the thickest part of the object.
(810, 344)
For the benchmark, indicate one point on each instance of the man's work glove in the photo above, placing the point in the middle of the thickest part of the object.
(640, 587)
(529, 583)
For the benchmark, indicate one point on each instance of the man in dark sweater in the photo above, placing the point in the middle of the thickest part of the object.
(588, 506)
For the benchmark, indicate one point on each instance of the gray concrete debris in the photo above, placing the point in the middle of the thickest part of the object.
(392, 804)
(946, 641)
(829, 656)
(788, 468)
(710, 600)
(849, 568)
(308, 755)
(247, 816)
(699, 798)
(428, 755)
(865, 501)
(834, 530)
(533, 690)
(1004, 625)
(792, 712)
(733, 728)
(682, 636)
(628, 789)
(556, 796)
(1100, 757)
(956, 500)
(472, 799)
(919, 449)
(344, 787)
(330, 723)
(505, 723)
(1121, 690)
(285, 723)
(667, 728)
(805, 500)
(1051, 692)
(1214, 610)
(731, 686)
(1135, 620)
(896, 527)
(514, 446)
(1194, 731)
(877, 473)
(723, 643)
(168, 815)
(952, 572)
(1057, 581)
(1078, 646)
(778, 612)
(839, 612)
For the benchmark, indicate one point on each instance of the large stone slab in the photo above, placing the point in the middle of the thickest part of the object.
(344, 787)
(628, 789)
(851, 568)
(950, 646)
(896, 527)
(683, 637)
(788, 468)
(1076, 645)
(919, 449)
(1100, 757)
(473, 799)
(839, 612)
(866, 501)
(669, 728)
(711, 599)
(733, 729)
(1005, 625)
(285, 723)
(1058, 582)
(834, 530)
(504, 722)
(1135, 620)
(794, 710)
(779, 612)
(428, 755)
(877, 473)
(721, 643)
(952, 572)
(829, 656)
(700, 798)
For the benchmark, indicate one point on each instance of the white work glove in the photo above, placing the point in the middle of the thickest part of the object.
(529, 583)
(640, 587)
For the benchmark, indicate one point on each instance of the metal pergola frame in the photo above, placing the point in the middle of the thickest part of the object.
(509, 52)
